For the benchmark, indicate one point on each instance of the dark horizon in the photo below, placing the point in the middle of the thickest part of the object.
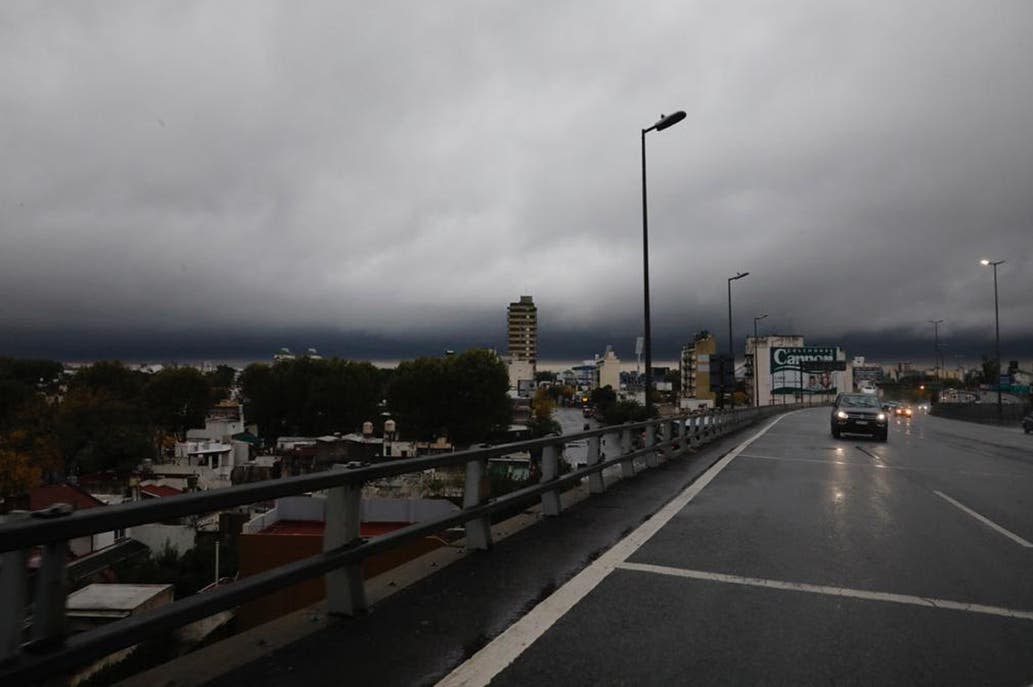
(554, 346)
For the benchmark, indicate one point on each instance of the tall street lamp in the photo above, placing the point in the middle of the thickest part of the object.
(731, 347)
(936, 342)
(997, 327)
(756, 379)
(665, 122)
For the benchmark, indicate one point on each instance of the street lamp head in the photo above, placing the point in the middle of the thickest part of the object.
(669, 120)
(984, 262)
(740, 275)
(760, 317)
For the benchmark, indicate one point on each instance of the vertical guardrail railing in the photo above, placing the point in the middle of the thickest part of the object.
(476, 492)
(550, 471)
(345, 589)
(596, 483)
(628, 464)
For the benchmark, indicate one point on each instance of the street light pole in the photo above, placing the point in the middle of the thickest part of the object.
(936, 343)
(997, 336)
(665, 121)
(731, 346)
(756, 379)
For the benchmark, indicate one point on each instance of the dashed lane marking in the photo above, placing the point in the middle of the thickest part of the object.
(985, 520)
(909, 599)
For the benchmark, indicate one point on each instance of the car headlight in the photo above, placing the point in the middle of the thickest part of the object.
(880, 416)
(841, 414)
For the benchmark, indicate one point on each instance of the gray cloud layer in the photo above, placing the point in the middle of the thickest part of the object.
(404, 170)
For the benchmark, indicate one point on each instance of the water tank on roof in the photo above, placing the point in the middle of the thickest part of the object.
(389, 427)
(367, 428)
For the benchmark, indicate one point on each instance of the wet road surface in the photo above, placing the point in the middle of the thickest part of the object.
(811, 560)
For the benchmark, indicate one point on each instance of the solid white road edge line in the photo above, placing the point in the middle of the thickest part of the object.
(828, 591)
(483, 666)
(986, 521)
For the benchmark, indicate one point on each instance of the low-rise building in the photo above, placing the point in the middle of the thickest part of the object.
(293, 530)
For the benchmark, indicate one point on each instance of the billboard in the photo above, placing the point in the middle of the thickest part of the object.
(800, 370)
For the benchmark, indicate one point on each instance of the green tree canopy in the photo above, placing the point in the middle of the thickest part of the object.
(177, 398)
(310, 397)
(99, 431)
(111, 377)
(465, 396)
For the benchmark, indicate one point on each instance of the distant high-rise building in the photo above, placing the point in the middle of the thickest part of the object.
(695, 371)
(522, 340)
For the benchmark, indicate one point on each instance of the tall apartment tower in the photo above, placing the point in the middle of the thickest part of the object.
(695, 371)
(522, 340)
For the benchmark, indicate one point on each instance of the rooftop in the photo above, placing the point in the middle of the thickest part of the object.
(113, 597)
(51, 494)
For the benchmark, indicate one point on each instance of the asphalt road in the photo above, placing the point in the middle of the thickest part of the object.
(810, 561)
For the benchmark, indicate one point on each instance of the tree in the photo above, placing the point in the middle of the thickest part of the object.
(98, 431)
(21, 381)
(563, 394)
(479, 403)
(418, 397)
(465, 396)
(541, 423)
(112, 377)
(625, 411)
(177, 398)
(18, 474)
(309, 396)
(603, 398)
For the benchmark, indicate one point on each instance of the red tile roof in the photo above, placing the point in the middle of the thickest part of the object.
(50, 494)
(159, 490)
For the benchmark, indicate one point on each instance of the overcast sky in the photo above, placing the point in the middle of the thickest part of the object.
(225, 178)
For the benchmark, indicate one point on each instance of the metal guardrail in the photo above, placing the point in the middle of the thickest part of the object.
(51, 651)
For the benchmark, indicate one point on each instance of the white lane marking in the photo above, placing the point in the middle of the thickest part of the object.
(491, 660)
(985, 520)
(828, 591)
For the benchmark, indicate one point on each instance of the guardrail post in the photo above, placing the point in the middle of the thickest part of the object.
(683, 438)
(667, 432)
(628, 465)
(13, 592)
(48, 609)
(475, 492)
(651, 459)
(48, 613)
(345, 590)
(550, 471)
(596, 484)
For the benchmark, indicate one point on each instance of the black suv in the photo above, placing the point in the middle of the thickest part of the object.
(859, 414)
(1027, 423)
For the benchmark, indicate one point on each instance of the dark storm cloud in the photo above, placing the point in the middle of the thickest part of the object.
(398, 172)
